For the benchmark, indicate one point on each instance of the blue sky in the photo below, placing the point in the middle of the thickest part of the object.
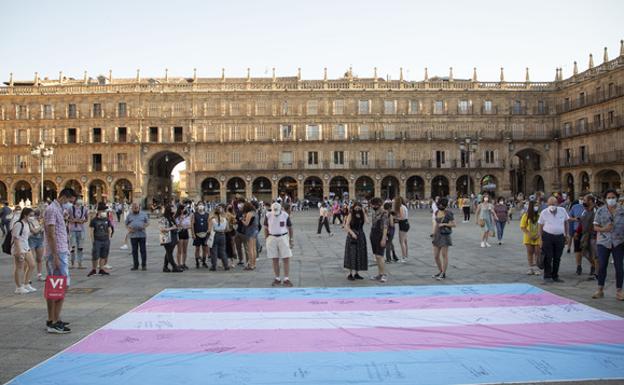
(73, 36)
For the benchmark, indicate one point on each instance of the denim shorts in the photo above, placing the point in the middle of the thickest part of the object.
(35, 242)
(63, 269)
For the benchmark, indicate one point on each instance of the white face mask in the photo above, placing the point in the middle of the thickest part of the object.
(486, 199)
(552, 208)
(536, 209)
(611, 202)
(103, 215)
(201, 209)
(79, 202)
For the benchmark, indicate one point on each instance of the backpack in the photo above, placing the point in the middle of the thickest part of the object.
(8, 241)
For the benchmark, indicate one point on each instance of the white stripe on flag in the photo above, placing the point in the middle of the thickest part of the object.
(360, 319)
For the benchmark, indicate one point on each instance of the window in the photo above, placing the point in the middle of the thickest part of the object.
(583, 150)
(122, 110)
(210, 133)
(97, 162)
(487, 107)
(489, 156)
(517, 107)
(463, 106)
(97, 135)
(611, 118)
(286, 132)
(72, 136)
(364, 158)
(22, 112)
(414, 107)
(285, 107)
(567, 129)
(178, 134)
(21, 161)
(364, 107)
(312, 107)
(286, 158)
(71, 111)
(464, 158)
(339, 107)
(313, 132)
(261, 132)
(235, 157)
(177, 109)
(122, 160)
(47, 111)
(389, 107)
(568, 156)
(440, 159)
(581, 126)
(389, 133)
(438, 107)
(47, 135)
(235, 133)
(211, 157)
(390, 159)
(235, 108)
(153, 110)
(122, 134)
(313, 157)
(339, 132)
(261, 108)
(611, 90)
(566, 104)
(541, 107)
(261, 157)
(581, 99)
(597, 121)
(153, 135)
(22, 136)
(339, 157)
(97, 110)
(364, 132)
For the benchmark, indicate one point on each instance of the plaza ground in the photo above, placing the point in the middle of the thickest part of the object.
(95, 301)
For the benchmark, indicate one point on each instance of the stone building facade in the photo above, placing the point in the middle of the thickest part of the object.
(121, 138)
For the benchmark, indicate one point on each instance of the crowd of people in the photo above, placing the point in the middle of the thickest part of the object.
(226, 235)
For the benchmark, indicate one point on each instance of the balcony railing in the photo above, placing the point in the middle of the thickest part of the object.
(591, 99)
(615, 122)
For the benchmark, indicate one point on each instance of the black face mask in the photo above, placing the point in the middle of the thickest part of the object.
(441, 207)
(376, 207)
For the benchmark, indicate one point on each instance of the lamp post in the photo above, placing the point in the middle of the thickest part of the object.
(468, 146)
(42, 152)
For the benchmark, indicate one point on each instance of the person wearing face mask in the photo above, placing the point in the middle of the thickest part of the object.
(378, 237)
(218, 224)
(445, 221)
(575, 209)
(56, 255)
(609, 223)
(199, 231)
(24, 265)
(183, 220)
(553, 231)
(136, 222)
(356, 255)
(531, 239)
(278, 234)
(486, 217)
(585, 237)
(78, 215)
(502, 214)
(101, 233)
(35, 241)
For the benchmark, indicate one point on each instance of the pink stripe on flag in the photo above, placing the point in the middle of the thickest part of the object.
(354, 304)
(350, 340)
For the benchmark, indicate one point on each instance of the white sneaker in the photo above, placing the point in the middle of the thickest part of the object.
(124, 247)
(21, 290)
(30, 288)
(108, 267)
(487, 245)
(482, 244)
(531, 272)
(40, 277)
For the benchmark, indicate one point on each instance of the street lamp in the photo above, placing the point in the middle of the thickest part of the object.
(468, 146)
(42, 152)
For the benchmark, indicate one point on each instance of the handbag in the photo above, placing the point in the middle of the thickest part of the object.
(210, 240)
(165, 238)
(481, 222)
(202, 234)
(55, 286)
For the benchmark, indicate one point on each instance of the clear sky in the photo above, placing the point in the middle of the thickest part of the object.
(76, 35)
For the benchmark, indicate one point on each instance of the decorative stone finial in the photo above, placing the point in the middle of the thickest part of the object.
(426, 75)
(450, 74)
(248, 73)
(194, 74)
(110, 76)
(138, 76)
(474, 74)
(350, 72)
(36, 78)
(605, 56)
(401, 73)
(575, 69)
(11, 79)
(502, 75)
(85, 79)
(60, 76)
(166, 75)
(298, 73)
(591, 61)
(556, 74)
(526, 77)
(273, 71)
(621, 47)
(222, 73)
(375, 72)
(325, 73)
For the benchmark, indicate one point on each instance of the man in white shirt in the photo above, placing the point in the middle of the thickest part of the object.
(278, 234)
(553, 230)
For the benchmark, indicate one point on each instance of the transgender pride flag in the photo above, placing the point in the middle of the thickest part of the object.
(371, 335)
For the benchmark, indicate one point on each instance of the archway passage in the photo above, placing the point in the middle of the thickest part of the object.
(3, 192)
(569, 185)
(74, 185)
(465, 185)
(287, 187)
(97, 192)
(211, 190)
(235, 188)
(23, 192)
(364, 188)
(261, 189)
(538, 183)
(585, 186)
(160, 181)
(414, 188)
(439, 186)
(123, 190)
(489, 184)
(339, 187)
(49, 191)
(389, 187)
(607, 179)
(313, 190)
(525, 165)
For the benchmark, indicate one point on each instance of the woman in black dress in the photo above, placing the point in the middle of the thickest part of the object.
(356, 257)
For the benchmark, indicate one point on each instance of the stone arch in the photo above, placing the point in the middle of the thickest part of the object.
(261, 188)
(585, 182)
(22, 190)
(339, 185)
(526, 163)
(49, 190)
(415, 187)
(389, 187)
(74, 185)
(440, 186)
(159, 165)
(97, 192)
(465, 185)
(235, 186)
(122, 190)
(606, 179)
(287, 186)
(568, 184)
(210, 189)
(489, 183)
(313, 189)
(364, 188)
(538, 183)
(4, 192)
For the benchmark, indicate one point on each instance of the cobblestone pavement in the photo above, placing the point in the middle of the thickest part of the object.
(317, 263)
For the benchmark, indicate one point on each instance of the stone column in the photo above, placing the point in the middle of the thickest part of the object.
(300, 190)
(325, 188)
(377, 188)
(427, 188)
(351, 189)
(400, 192)
(452, 186)
(274, 188)
(248, 192)
(222, 191)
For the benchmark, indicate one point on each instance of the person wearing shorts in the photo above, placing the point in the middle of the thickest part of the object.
(278, 234)
(101, 233)
(56, 254)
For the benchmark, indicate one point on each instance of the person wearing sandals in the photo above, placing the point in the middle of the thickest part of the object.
(169, 239)
(251, 230)
(35, 241)
(609, 224)
(183, 220)
(445, 221)
(486, 217)
(218, 225)
(378, 237)
(531, 239)
(401, 212)
(356, 254)
(279, 241)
